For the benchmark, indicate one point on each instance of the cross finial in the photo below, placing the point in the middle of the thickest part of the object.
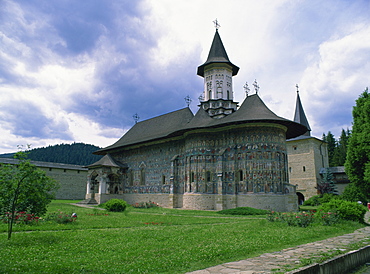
(136, 117)
(246, 89)
(297, 88)
(256, 86)
(201, 98)
(217, 25)
(188, 100)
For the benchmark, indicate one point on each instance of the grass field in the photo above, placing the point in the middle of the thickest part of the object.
(154, 240)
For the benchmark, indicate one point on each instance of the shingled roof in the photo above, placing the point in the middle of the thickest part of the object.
(253, 110)
(152, 129)
(300, 116)
(217, 54)
(106, 161)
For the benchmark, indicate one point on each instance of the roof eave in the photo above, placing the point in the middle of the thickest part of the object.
(200, 70)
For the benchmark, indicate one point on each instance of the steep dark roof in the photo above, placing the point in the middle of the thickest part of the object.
(107, 161)
(253, 110)
(152, 129)
(300, 116)
(217, 54)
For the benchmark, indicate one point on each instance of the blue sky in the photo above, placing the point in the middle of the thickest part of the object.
(77, 71)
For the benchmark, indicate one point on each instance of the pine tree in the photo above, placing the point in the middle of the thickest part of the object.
(329, 138)
(358, 153)
(340, 151)
(327, 184)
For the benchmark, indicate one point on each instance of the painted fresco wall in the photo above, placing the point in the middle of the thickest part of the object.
(210, 170)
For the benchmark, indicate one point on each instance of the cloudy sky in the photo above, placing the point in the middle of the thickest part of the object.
(77, 71)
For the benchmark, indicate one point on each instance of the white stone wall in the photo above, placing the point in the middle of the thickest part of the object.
(199, 201)
(305, 159)
(72, 182)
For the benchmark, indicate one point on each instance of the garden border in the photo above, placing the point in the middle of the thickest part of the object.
(338, 265)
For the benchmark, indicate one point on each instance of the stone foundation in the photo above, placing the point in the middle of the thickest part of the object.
(276, 202)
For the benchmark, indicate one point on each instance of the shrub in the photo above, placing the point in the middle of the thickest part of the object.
(346, 210)
(330, 218)
(115, 205)
(353, 194)
(320, 199)
(301, 219)
(244, 211)
(60, 218)
(313, 201)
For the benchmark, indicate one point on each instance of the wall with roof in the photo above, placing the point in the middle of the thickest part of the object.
(71, 178)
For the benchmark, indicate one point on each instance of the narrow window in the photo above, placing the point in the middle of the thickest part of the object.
(304, 168)
(131, 177)
(142, 177)
(240, 175)
(163, 179)
(208, 176)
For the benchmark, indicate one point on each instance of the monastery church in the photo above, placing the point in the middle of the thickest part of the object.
(224, 156)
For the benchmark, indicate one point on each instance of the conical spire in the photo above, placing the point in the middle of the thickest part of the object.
(217, 54)
(300, 116)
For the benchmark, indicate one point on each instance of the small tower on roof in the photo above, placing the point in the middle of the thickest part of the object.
(300, 116)
(217, 71)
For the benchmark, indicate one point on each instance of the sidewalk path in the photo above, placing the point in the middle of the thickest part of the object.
(290, 258)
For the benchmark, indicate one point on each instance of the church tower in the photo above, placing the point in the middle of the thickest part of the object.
(307, 155)
(217, 98)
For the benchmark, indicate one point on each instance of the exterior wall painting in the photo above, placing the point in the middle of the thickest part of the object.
(211, 170)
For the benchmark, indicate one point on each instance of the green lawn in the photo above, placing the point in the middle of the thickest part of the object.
(152, 240)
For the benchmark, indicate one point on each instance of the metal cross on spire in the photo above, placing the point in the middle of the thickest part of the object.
(188, 100)
(297, 88)
(256, 86)
(246, 89)
(217, 25)
(201, 97)
(136, 117)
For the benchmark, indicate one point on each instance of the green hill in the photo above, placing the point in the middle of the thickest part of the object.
(76, 154)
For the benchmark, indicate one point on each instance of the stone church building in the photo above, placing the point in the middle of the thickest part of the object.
(224, 156)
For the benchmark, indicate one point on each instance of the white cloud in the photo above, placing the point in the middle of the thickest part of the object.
(335, 80)
(135, 55)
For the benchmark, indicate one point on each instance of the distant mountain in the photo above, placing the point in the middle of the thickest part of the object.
(75, 154)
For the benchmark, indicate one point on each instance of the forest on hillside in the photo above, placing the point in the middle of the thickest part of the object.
(76, 154)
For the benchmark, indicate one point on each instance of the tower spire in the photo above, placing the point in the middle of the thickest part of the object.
(299, 115)
(218, 99)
